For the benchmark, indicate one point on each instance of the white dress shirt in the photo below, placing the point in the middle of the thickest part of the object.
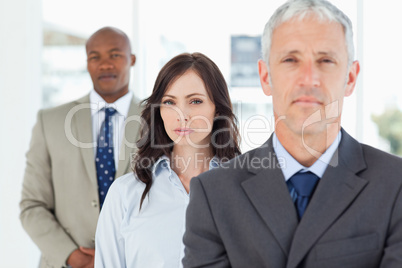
(290, 166)
(152, 237)
(122, 105)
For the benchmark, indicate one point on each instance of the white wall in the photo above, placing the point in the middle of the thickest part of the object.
(20, 98)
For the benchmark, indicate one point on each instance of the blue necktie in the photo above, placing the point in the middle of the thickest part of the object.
(304, 185)
(105, 168)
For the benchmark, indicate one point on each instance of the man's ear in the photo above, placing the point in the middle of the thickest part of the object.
(354, 71)
(132, 59)
(264, 77)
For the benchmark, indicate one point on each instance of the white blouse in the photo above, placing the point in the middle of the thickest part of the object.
(152, 237)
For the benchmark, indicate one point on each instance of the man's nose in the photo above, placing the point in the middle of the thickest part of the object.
(106, 64)
(309, 75)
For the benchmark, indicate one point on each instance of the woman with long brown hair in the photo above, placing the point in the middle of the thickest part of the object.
(188, 127)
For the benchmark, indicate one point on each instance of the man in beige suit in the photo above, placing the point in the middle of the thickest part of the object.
(60, 197)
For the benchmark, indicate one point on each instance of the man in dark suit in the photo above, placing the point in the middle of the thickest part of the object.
(65, 179)
(311, 196)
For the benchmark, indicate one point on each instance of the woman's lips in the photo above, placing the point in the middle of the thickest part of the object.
(183, 131)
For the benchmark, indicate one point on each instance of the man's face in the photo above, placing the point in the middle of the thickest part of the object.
(108, 62)
(308, 74)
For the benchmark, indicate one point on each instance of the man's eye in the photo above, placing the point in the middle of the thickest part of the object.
(327, 61)
(115, 55)
(289, 60)
(93, 58)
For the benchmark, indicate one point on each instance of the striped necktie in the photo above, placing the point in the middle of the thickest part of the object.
(304, 184)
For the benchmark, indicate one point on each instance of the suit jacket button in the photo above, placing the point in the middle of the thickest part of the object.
(94, 203)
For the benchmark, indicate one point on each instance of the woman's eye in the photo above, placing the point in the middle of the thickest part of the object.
(196, 101)
(168, 102)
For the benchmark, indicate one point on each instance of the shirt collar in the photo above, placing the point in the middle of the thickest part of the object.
(214, 163)
(290, 166)
(164, 163)
(122, 105)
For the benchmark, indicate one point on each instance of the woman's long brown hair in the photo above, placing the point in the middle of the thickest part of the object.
(154, 141)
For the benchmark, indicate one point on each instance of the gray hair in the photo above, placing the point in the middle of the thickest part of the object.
(322, 9)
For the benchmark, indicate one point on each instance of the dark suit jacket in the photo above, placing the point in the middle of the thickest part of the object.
(241, 215)
(60, 202)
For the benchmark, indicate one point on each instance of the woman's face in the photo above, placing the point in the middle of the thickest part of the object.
(188, 112)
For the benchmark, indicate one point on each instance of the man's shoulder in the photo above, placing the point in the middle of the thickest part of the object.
(236, 168)
(362, 157)
(379, 167)
(379, 158)
(65, 108)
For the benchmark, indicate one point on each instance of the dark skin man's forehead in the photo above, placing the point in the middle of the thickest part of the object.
(112, 39)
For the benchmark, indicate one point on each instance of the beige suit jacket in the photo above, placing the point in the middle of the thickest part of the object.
(60, 203)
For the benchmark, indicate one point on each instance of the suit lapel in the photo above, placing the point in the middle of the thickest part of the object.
(268, 193)
(131, 134)
(83, 124)
(337, 189)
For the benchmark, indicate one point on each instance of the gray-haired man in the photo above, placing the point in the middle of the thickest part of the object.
(333, 202)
